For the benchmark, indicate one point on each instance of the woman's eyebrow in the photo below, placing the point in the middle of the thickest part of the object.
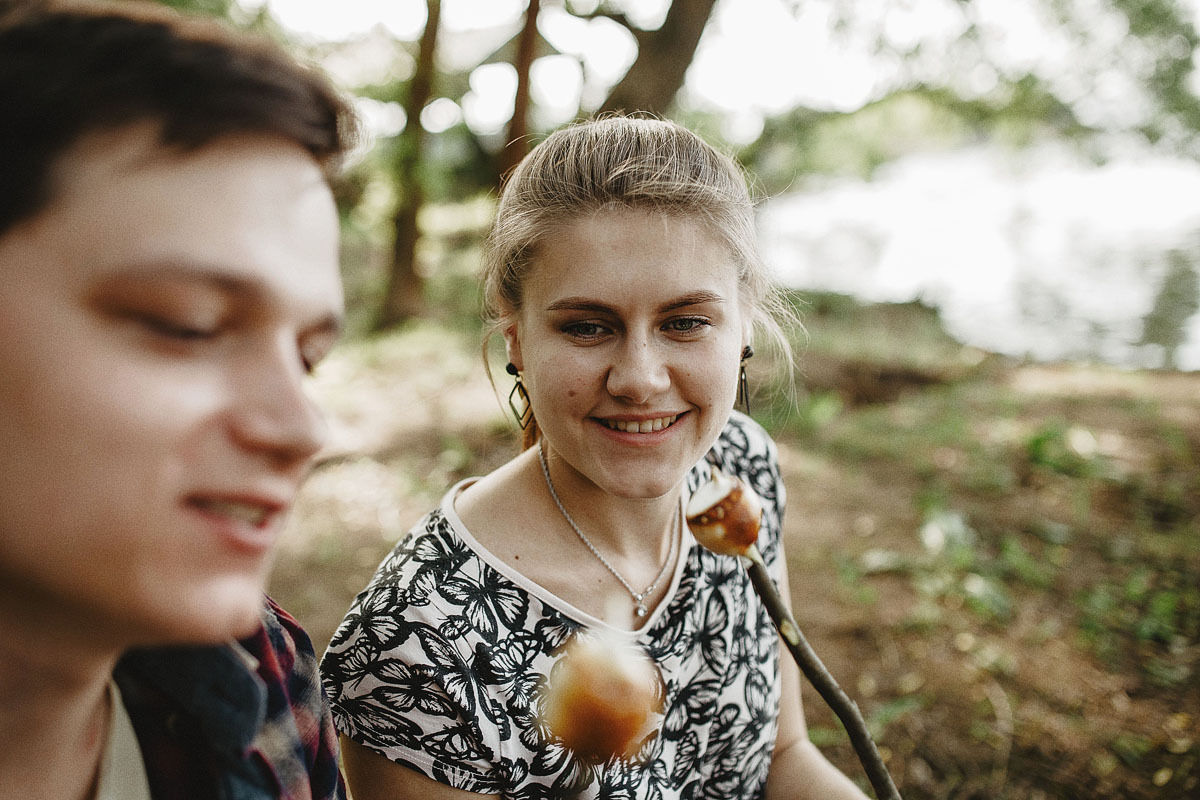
(692, 299)
(580, 304)
(587, 304)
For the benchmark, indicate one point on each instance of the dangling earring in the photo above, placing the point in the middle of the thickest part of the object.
(743, 391)
(524, 415)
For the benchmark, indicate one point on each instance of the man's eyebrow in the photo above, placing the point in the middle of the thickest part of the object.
(217, 277)
(220, 278)
(587, 304)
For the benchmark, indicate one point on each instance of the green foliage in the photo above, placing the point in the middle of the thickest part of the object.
(987, 597)
(902, 335)
(217, 8)
(1151, 618)
(1063, 449)
(850, 578)
(827, 737)
(913, 120)
(1167, 30)
(960, 567)
(1178, 299)
(1018, 563)
(853, 353)
(1131, 748)
(893, 711)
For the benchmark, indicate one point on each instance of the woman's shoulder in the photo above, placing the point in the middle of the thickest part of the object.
(402, 610)
(410, 575)
(744, 448)
(744, 434)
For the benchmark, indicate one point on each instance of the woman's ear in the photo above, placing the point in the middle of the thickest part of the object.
(512, 342)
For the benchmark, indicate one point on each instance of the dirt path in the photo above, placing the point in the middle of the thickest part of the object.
(969, 661)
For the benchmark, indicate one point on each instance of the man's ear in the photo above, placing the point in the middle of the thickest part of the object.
(512, 342)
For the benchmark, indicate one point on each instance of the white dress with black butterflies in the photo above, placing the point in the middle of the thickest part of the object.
(439, 662)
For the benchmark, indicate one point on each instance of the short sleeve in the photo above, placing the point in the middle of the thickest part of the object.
(744, 449)
(398, 682)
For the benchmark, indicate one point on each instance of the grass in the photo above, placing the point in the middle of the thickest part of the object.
(1002, 559)
(1035, 518)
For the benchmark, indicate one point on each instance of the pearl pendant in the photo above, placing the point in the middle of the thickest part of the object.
(640, 610)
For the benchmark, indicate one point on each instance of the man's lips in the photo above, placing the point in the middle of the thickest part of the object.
(257, 512)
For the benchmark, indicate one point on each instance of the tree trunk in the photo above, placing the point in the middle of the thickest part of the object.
(517, 143)
(404, 297)
(662, 61)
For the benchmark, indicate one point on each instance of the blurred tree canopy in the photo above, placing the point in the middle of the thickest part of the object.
(1126, 80)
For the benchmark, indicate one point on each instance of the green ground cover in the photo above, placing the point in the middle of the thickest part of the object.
(1000, 561)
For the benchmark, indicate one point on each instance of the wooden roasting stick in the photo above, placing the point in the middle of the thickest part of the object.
(723, 515)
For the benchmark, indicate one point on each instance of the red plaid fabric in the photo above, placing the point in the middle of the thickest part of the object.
(240, 722)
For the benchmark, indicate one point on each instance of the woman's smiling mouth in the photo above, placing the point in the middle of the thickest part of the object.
(639, 426)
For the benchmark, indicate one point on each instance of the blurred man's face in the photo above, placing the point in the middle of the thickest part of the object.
(157, 320)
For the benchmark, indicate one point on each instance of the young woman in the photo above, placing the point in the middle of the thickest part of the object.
(623, 275)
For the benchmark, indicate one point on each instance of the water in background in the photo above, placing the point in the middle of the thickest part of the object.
(1038, 255)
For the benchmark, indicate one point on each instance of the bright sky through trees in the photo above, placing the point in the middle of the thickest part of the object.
(997, 222)
(756, 57)
(763, 57)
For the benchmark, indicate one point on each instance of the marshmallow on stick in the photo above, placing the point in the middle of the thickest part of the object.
(603, 697)
(724, 515)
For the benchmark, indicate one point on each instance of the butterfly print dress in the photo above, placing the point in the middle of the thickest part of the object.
(440, 662)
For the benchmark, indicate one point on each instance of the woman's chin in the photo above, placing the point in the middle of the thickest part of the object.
(647, 487)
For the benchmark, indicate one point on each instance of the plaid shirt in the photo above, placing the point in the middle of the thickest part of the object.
(246, 721)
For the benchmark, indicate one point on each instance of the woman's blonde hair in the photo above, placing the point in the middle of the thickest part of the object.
(625, 162)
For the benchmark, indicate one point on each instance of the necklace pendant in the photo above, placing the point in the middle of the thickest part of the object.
(639, 610)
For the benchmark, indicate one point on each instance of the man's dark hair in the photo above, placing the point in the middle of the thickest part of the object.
(68, 69)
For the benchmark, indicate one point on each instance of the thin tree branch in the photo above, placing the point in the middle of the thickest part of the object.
(845, 708)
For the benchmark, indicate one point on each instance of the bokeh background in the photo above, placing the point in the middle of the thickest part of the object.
(987, 213)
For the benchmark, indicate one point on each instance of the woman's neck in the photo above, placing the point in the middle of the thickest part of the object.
(511, 513)
(633, 528)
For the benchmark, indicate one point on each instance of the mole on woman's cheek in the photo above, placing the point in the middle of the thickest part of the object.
(570, 393)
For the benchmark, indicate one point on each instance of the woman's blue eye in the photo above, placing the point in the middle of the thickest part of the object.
(687, 324)
(585, 330)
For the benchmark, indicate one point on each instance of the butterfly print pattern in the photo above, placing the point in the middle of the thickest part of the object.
(441, 661)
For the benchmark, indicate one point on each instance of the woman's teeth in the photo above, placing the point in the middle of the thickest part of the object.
(642, 426)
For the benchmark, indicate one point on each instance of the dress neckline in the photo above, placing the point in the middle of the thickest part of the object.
(685, 544)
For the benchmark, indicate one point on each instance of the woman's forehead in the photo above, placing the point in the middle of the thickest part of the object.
(626, 252)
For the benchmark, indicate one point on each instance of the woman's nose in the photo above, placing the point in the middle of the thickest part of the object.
(639, 372)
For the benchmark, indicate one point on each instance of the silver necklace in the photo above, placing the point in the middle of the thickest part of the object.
(639, 604)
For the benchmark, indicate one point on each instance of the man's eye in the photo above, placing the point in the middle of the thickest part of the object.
(177, 330)
(309, 358)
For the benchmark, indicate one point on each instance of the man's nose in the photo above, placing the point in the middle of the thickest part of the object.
(273, 414)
